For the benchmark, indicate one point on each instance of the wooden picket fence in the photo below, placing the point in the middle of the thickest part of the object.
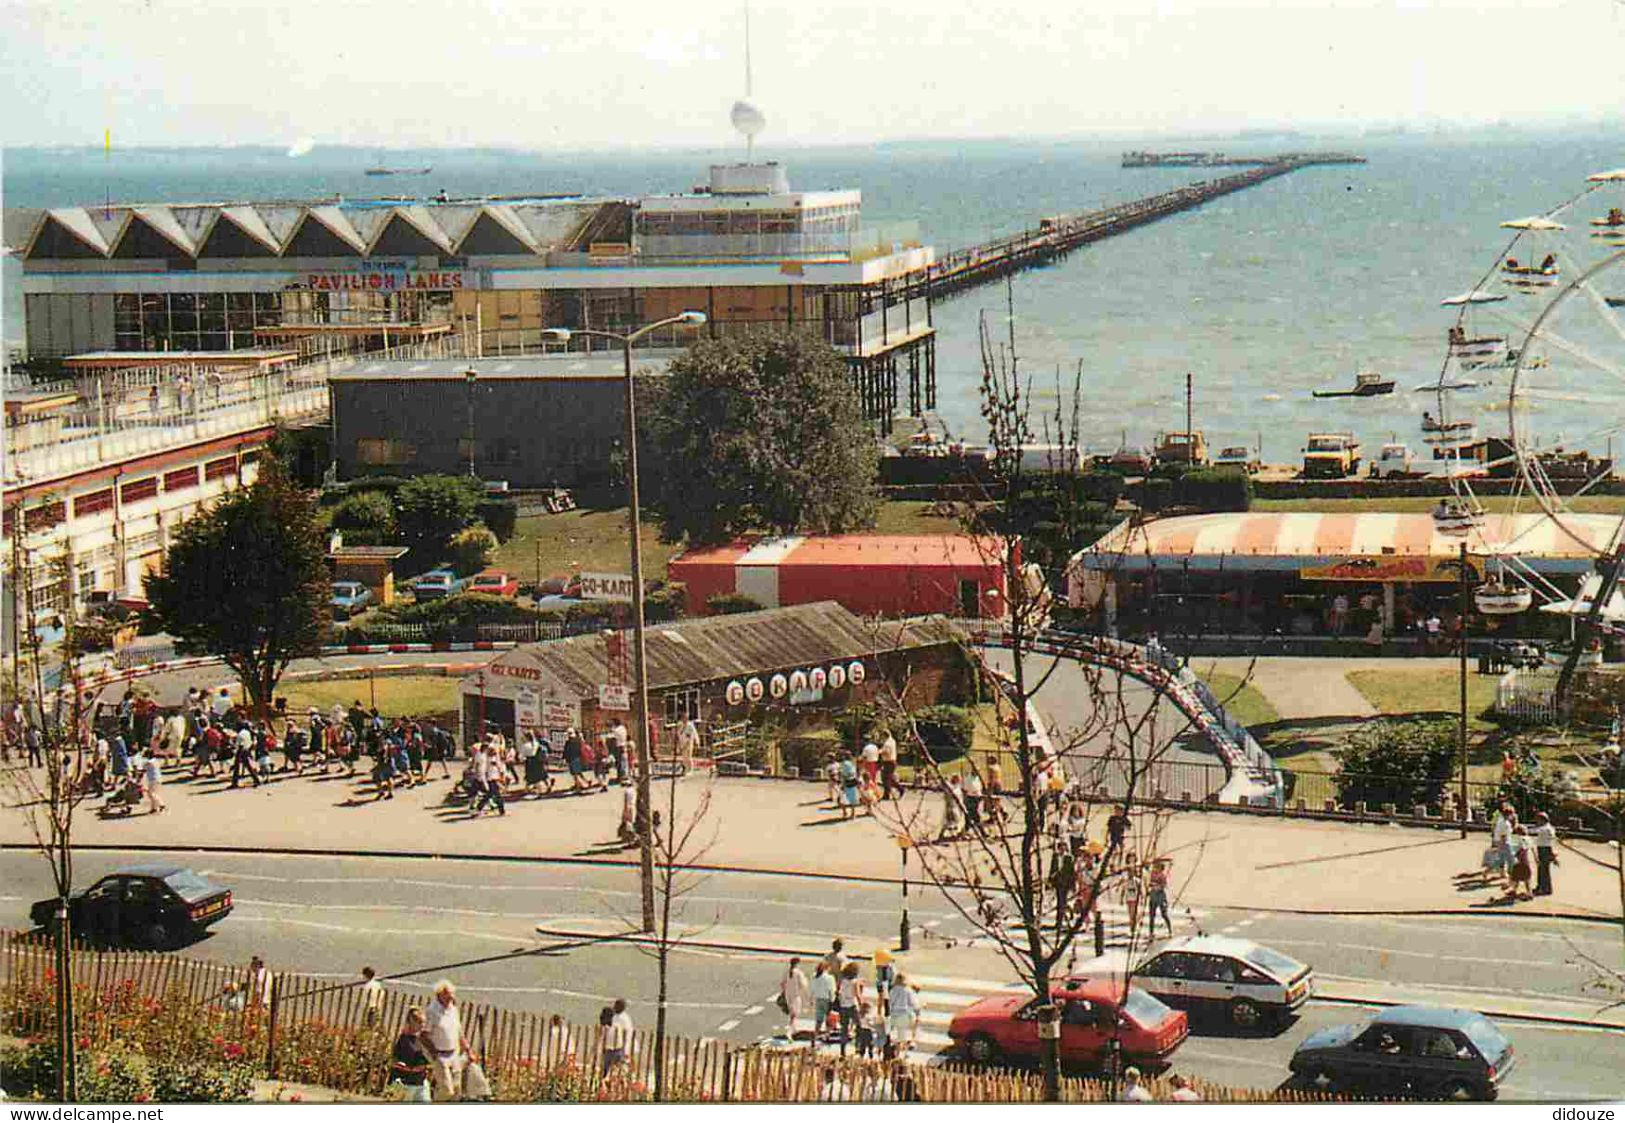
(311, 1030)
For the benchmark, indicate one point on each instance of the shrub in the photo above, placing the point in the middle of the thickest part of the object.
(665, 603)
(1155, 494)
(430, 509)
(463, 611)
(1403, 762)
(862, 720)
(371, 512)
(727, 604)
(501, 516)
(470, 549)
(118, 1076)
(1216, 489)
(195, 1080)
(945, 731)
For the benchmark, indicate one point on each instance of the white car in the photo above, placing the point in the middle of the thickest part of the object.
(1252, 985)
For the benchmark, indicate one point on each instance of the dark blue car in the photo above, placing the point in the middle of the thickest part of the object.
(1429, 1052)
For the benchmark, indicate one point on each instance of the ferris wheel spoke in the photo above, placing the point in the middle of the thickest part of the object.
(1600, 302)
(1546, 335)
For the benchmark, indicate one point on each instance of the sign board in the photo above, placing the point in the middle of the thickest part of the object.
(385, 280)
(1388, 569)
(606, 586)
(613, 697)
(527, 709)
(560, 715)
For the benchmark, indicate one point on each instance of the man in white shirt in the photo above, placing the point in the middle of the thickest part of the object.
(888, 767)
(221, 705)
(372, 995)
(973, 799)
(617, 1037)
(443, 1038)
(617, 749)
(153, 777)
(871, 762)
(1545, 853)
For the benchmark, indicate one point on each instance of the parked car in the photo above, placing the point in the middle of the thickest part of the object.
(437, 584)
(1429, 1052)
(1005, 1027)
(1132, 460)
(349, 598)
(1248, 983)
(1238, 456)
(157, 906)
(495, 583)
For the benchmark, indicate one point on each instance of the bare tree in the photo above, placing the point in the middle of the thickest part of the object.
(46, 799)
(1015, 878)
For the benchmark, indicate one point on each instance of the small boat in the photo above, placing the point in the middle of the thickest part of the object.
(400, 171)
(1447, 384)
(1463, 345)
(1498, 598)
(1456, 518)
(1367, 384)
(1431, 424)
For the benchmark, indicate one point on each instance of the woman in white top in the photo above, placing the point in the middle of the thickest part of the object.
(796, 993)
(848, 1000)
(823, 996)
(903, 1017)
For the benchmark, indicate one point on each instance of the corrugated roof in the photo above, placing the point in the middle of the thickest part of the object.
(872, 550)
(747, 643)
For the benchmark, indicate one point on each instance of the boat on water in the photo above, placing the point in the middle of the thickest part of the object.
(1459, 384)
(1367, 384)
(400, 171)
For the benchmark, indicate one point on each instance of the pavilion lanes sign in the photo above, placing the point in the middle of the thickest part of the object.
(386, 280)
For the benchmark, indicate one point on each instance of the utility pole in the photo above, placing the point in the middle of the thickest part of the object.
(1461, 721)
(1190, 427)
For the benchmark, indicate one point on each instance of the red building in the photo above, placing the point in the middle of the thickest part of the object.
(872, 575)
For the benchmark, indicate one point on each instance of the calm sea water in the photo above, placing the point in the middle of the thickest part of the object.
(1263, 295)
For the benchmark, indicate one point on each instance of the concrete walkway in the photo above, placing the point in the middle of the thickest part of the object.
(1304, 688)
(1221, 859)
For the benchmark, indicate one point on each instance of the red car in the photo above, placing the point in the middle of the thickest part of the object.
(495, 583)
(1005, 1027)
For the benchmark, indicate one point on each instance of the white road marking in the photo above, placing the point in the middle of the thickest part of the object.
(774, 997)
(1422, 954)
(752, 1011)
(1245, 923)
(728, 1026)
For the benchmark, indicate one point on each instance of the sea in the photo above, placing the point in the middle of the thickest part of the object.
(1262, 296)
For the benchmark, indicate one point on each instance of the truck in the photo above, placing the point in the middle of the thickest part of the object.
(1331, 456)
(1182, 448)
(1396, 462)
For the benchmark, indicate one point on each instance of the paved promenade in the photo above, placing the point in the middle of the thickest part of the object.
(1222, 859)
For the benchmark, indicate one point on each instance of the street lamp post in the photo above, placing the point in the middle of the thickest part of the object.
(640, 669)
(1464, 604)
(903, 941)
(469, 377)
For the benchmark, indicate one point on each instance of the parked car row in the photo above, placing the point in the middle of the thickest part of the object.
(352, 597)
(1417, 1051)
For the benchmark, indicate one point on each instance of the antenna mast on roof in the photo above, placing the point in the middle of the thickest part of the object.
(746, 118)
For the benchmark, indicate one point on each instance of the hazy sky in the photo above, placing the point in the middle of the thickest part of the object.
(543, 74)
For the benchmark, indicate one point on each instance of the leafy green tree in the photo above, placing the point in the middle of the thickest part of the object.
(372, 513)
(430, 509)
(1403, 762)
(247, 580)
(761, 432)
(470, 549)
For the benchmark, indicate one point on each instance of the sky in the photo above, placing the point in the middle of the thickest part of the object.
(568, 75)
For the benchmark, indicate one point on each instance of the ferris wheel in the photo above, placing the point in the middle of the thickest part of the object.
(1536, 355)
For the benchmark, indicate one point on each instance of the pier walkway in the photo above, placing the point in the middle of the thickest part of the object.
(1056, 237)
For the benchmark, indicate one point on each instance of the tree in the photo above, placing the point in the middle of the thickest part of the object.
(1016, 881)
(761, 431)
(47, 802)
(247, 580)
(371, 512)
(430, 509)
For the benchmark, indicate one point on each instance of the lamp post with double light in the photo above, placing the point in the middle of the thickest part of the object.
(640, 670)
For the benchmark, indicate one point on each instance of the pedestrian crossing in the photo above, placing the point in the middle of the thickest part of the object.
(1116, 928)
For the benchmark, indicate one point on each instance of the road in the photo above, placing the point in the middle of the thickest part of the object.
(330, 916)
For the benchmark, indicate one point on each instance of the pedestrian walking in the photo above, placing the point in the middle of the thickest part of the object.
(953, 809)
(903, 1016)
(1521, 864)
(1183, 1092)
(444, 1041)
(617, 1036)
(574, 760)
(849, 787)
(409, 1061)
(871, 761)
(372, 996)
(870, 1025)
(1495, 854)
(973, 791)
(618, 737)
(848, 1000)
(1545, 853)
(795, 994)
(152, 776)
(627, 831)
(889, 786)
(823, 988)
(1158, 882)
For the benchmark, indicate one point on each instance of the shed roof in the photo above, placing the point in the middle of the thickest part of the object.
(563, 364)
(746, 643)
(914, 551)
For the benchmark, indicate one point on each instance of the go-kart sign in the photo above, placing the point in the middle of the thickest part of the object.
(606, 586)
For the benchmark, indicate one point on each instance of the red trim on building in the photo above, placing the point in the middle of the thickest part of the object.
(150, 462)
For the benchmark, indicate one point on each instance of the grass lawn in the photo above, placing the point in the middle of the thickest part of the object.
(1433, 690)
(397, 695)
(1244, 701)
(578, 541)
(595, 541)
(1422, 504)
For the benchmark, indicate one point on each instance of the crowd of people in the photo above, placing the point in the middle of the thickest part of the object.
(1519, 855)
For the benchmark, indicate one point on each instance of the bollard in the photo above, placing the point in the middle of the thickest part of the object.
(1420, 811)
(1100, 935)
(1329, 806)
(1212, 799)
(1185, 796)
(1390, 810)
(1359, 808)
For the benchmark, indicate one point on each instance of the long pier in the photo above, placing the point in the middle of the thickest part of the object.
(1056, 237)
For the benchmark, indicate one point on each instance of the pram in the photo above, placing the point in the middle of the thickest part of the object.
(124, 798)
